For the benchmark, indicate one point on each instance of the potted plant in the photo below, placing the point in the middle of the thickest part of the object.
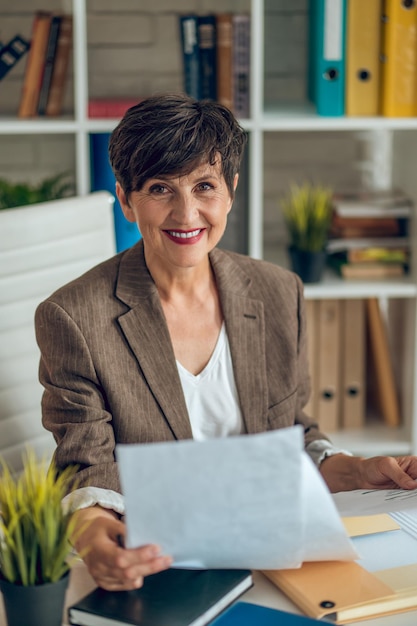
(21, 194)
(307, 211)
(34, 542)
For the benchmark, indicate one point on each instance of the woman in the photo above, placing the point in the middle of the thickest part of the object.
(175, 338)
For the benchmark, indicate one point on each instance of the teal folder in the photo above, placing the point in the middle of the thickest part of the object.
(247, 614)
(326, 52)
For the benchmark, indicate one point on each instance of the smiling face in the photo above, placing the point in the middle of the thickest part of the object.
(181, 218)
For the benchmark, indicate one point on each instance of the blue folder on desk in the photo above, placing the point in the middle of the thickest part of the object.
(326, 51)
(247, 614)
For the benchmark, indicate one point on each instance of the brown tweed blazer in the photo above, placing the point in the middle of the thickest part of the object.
(109, 370)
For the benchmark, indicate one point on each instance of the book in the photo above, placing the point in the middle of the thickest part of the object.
(353, 363)
(399, 58)
(178, 597)
(224, 59)
(360, 243)
(110, 107)
(385, 391)
(190, 55)
(363, 48)
(367, 270)
(241, 64)
(206, 26)
(248, 614)
(60, 67)
(372, 254)
(366, 226)
(390, 203)
(49, 63)
(326, 72)
(329, 364)
(11, 53)
(28, 105)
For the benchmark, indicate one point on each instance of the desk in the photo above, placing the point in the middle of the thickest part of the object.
(263, 592)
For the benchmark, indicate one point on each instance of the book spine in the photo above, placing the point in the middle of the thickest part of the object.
(206, 25)
(190, 55)
(35, 65)
(109, 108)
(241, 64)
(224, 70)
(60, 67)
(49, 63)
(11, 53)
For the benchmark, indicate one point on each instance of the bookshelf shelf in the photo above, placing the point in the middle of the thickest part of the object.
(393, 163)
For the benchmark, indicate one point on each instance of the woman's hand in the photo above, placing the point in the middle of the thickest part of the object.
(344, 473)
(97, 539)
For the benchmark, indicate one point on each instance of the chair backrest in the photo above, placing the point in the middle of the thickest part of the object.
(42, 246)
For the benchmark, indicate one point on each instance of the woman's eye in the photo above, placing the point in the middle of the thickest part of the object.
(205, 186)
(157, 189)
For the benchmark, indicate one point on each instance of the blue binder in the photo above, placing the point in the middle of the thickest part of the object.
(248, 614)
(327, 34)
(102, 178)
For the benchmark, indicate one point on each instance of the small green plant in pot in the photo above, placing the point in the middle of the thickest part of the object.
(34, 542)
(307, 211)
(20, 194)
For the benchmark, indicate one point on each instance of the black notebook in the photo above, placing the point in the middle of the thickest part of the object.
(174, 597)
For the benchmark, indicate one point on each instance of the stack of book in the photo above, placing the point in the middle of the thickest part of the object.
(363, 57)
(216, 58)
(47, 65)
(369, 234)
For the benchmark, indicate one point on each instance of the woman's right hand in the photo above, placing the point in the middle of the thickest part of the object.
(98, 538)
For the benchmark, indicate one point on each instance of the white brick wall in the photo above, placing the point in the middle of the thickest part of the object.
(134, 50)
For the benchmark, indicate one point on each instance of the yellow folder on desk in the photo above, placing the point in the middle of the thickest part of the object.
(344, 591)
(399, 58)
(363, 49)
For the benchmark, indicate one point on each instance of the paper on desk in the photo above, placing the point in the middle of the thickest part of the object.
(251, 501)
(371, 501)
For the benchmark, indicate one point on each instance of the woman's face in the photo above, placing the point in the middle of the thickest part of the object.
(181, 218)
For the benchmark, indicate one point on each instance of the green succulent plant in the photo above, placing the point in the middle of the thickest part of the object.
(21, 194)
(34, 529)
(307, 211)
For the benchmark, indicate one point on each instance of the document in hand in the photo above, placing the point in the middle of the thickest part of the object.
(381, 582)
(253, 501)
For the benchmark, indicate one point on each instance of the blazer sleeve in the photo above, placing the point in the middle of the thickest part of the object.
(73, 403)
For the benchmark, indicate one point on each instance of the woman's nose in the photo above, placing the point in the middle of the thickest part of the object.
(184, 208)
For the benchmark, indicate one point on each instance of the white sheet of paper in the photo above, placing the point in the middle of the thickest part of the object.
(251, 501)
(372, 501)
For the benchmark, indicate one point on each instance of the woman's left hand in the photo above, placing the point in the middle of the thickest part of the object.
(344, 473)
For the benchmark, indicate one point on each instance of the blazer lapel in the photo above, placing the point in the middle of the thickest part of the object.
(147, 334)
(245, 325)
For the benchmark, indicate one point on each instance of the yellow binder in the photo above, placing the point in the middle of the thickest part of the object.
(363, 49)
(329, 366)
(399, 58)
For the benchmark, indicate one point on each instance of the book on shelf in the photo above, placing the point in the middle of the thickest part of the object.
(342, 244)
(110, 107)
(241, 64)
(389, 203)
(206, 27)
(49, 63)
(248, 614)
(363, 49)
(399, 59)
(368, 270)
(60, 67)
(28, 106)
(182, 597)
(350, 227)
(11, 53)
(224, 59)
(190, 55)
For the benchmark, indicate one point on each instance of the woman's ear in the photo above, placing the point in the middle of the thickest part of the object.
(235, 182)
(124, 203)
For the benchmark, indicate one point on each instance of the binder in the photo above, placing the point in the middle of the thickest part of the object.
(311, 308)
(327, 56)
(190, 55)
(399, 58)
(353, 364)
(329, 357)
(385, 391)
(363, 49)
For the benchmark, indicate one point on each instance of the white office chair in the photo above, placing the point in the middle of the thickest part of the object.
(42, 246)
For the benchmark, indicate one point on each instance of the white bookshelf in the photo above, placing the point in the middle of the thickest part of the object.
(392, 162)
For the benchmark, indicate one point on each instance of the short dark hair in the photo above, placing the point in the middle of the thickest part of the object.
(172, 134)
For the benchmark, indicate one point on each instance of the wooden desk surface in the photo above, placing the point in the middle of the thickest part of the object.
(263, 592)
